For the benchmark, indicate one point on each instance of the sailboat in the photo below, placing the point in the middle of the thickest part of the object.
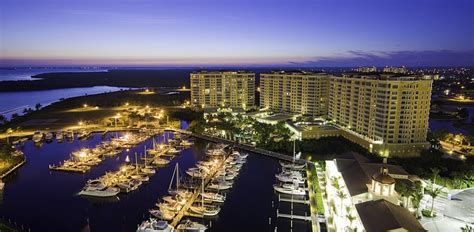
(175, 175)
(293, 164)
(205, 210)
(190, 226)
(147, 169)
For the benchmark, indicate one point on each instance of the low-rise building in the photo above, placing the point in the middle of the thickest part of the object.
(354, 185)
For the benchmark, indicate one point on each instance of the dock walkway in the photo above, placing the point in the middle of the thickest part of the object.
(239, 145)
(184, 210)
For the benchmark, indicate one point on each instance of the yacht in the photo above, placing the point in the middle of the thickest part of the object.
(160, 161)
(290, 189)
(163, 214)
(69, 134)
(83, 134)
(98, 189)
(49, 137)
(190, 226)
(214, 197)
(205, 210)
(293, 166)
(153, 225)
(195, 172)
(173, 150)
(37, 137)
(59, 136)
(148, 170)
(186, 143)
(290, 179)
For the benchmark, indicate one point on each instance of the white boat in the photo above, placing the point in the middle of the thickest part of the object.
(162, 214)
(289, 189)
(205, 210)
(69, 134)
(214, 197)
(153, 225)
(37, 137)
(173, 151)
(148, 170)
(160, 161)
(98, 189)
(292, 165)
(195, 172)
(2, 185)
(290, 179)
(49, 136)
(190, 226)
(186, 143)
(59, 136)
(83, 134)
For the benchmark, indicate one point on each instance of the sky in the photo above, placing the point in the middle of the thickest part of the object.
(237, 32)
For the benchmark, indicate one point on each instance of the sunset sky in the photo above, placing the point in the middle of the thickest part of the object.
(232, 32)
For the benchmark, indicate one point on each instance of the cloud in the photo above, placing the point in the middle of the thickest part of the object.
(398, 58)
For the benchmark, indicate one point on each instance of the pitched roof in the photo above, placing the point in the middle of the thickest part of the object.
(382, 215)
(357, 172)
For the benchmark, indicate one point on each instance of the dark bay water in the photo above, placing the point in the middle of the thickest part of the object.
(448, 124)
(15, 102)
(42, 200)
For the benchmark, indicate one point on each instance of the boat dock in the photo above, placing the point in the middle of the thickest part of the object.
(306, 202)
(13, 169)
(246, 147)
(184, 210)
(293, 216)
(69, 169)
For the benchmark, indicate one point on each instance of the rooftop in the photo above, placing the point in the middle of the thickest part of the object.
(382, 215)
(295, 72)
(357, 172)
(384, 76)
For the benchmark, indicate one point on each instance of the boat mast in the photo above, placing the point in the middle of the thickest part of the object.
(136, 162)
(294, 150)
(177, 176)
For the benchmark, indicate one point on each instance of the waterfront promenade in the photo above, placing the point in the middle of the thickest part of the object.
(246, 147)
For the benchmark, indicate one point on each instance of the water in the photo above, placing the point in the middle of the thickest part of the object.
(448, 124)
(15, 102)
(46, 201)
(20, 74)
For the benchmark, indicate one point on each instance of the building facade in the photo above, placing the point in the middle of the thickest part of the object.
(297, 92)
(386, 114)
(215, 89)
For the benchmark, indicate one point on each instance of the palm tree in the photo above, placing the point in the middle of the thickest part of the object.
(341, 196)
(433, 192)
(350, 217)
(404, 191)
(435, 173)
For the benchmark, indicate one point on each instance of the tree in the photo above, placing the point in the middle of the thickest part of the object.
(350, 217)
(341, 195)
(434, 193)
(416, 197)
(435, 174)
(467, 228)
(2, 118)
(38, 106)
(404, 191)
(14, 115)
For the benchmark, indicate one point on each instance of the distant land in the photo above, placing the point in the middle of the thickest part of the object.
(120, 78)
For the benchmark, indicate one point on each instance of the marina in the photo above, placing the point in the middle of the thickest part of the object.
(114, 212)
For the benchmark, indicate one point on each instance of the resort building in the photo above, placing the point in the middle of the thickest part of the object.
(361, 196)
(298, 92)
(223, 89)
(384, 113)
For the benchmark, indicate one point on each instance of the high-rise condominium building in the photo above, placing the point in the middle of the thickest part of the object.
(387, 114)
(214, 89)
(298, 92)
